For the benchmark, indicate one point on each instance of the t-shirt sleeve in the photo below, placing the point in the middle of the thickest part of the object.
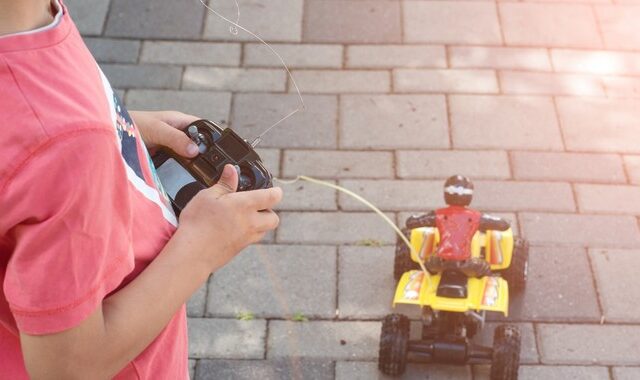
(67, 209)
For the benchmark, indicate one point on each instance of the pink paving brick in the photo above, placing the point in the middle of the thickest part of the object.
(449, 81)
(499, 58)
(608, 199)
(517, 82)
(619, 26)
(573, 167)
(595, 62)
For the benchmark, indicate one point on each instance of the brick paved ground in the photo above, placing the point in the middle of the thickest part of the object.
(538, 101)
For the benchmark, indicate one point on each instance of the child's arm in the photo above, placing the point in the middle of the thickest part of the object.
(214, 227)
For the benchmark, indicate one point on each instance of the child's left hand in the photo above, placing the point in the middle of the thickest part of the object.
(164, 129)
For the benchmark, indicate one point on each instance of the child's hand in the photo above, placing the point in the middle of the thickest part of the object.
(163, 129)
(218, 222)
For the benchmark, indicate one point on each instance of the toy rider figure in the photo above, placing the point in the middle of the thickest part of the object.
(457, 224)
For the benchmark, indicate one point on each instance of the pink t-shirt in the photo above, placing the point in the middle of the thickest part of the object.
(82, 212)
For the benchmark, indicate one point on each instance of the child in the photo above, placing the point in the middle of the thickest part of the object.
(94, 270)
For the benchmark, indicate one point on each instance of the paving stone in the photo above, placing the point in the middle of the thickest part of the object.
(88, 15)
(333, 228)
(271, 160)
(618, 25)
(514, 82)
(315, 127)
(589, 344)
(632, 164)
(303, 195)
(226, 338)
(582, 230)
(347, 21)
(305, 56)
(197, 303)
(559, 288)
(265, 369)
(210, 105)
(621, 87)
(234, 79)
(338, 164)
(155, 19)
(273, 281)
(596, 62)
(614, 271)
(568, 167)
(392, 56)
(324, 340)
(499, 58)
(357, 370)
(614, 121)
(142, 76)
(346, 81)
(107, 50)
(449, 81)
(504, 122)
(626, 373)
(364, 294)
(392, 195)
(535, 372)
(608, 199)
(277, 20)
(444, 163)
(451, 22)
(561, 25)
(192, 368)
(528, 350)
(191, 53)
(393, 121)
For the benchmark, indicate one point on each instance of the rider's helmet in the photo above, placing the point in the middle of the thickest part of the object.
(458, 191)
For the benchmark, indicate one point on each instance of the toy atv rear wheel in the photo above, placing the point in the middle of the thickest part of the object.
(402, 262)
(506, 353)
(394, 344)
(516, 274)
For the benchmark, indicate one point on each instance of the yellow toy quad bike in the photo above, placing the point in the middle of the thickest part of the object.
(454, 306)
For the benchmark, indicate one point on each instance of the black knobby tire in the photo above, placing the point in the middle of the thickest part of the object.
(516, 274)
(506, 353)
(402, 262)
(394, 343)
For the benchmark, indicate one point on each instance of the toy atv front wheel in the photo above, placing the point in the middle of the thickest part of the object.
(506, 353)
(394, 344)
(516, 274)
(403, 262)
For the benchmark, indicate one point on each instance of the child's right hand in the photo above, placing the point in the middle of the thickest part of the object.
(219, 222)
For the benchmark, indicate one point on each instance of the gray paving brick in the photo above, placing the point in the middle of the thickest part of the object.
(515, 82)
(535, 372)
(338, 164)
(234, 79)
(210, 105)
(294, 55)
(303, 195)
(155, 19)
(608, 199)
(582, 230)
(366, 293)
(391, 56)
(265, 369)
(448, 81)
(358, 370)
(192, 368)
(503, 122)
(617, 25)
(107, 50)
(444, 163)
(596, 62)
(324, 340)
(615, 271)
(392, 195)
(559, 288)
(499, 58)
(88, 15)
(614, 121)
(632, 164)
(589, 344)
(626, 373)
(271, 159)
(315, 127)
(461, 22)
(191, 53)
(226, 338)
(261, 279)
(142, 76)
(197, 303)
(332, 228)
(568, 167)
(280, 20)
(393, 121)
(528, 350)
(561, 25)
(346, 81)
(362, 21)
